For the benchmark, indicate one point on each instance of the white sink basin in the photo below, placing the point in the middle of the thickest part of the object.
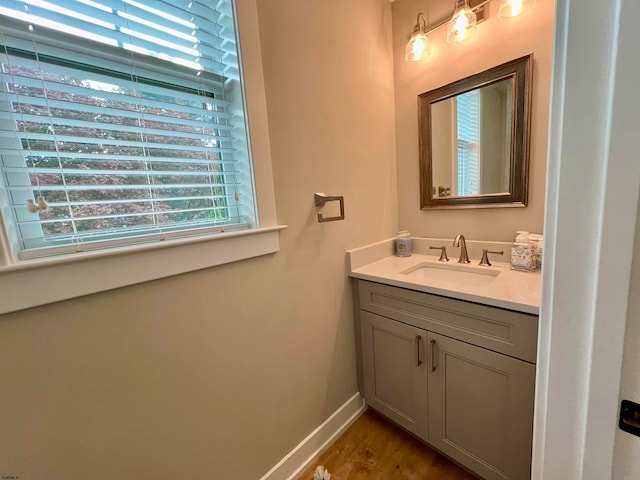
(455, 273)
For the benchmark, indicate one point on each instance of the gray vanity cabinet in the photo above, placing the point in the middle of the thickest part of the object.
(394, 371)
(481, 408)
(456, 374)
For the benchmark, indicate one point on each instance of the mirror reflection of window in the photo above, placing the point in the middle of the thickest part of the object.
(472, 141)
(467, 139)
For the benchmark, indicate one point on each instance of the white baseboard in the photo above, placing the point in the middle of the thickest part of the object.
(309, 449)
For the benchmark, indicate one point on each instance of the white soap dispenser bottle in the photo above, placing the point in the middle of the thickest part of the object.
(522, 238)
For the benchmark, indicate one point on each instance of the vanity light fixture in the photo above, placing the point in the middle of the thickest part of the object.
(513, 8)
(463, 23)
(462, 26)
(418, 46)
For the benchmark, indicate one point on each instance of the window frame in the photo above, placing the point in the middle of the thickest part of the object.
(29, 283)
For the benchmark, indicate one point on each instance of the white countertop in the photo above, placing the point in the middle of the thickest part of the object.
(510, 289)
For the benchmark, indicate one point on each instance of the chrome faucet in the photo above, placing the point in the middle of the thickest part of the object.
(459, 241)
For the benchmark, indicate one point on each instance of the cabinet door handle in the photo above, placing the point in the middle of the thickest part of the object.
(433, 355)
(417, 340)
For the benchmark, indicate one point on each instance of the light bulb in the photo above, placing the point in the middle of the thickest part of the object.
(462, 25)
(513, 8)
(418, 47)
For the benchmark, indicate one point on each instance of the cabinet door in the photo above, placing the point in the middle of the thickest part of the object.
(481, 408)
(395, 378)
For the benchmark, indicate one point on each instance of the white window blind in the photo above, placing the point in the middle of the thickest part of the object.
(121, 122)
(468, 105)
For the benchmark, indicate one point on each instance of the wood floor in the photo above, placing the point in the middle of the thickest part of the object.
(375, 449)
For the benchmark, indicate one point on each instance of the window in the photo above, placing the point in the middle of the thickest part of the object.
(98, 43)
(120, 122)
(468, 139)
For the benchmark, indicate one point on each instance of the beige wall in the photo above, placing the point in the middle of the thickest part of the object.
(221, 372)
(443, 145)
(495, 137)
(497, 41)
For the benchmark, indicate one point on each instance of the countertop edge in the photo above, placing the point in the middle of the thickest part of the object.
(469, 297)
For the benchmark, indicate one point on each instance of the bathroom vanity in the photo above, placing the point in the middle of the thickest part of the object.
(448, 352)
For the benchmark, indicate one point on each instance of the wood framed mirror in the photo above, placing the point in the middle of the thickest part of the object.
(474, 139)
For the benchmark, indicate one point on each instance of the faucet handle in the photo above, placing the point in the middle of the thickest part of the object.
(443, 254)
(485, 257)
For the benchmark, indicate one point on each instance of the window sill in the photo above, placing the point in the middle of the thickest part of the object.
(32, 283)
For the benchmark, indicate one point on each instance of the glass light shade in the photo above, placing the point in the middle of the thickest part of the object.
(513, 8)
(418, 47)
(462, 25)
